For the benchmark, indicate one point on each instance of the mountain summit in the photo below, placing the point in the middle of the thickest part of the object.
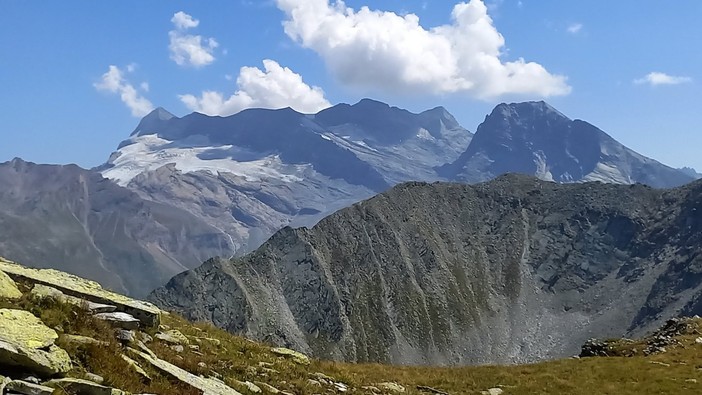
(534, 138)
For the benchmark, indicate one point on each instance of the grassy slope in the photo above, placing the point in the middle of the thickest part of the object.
(236, 358)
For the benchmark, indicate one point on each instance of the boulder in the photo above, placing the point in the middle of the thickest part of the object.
(27, 343)
(83, 387)
(297, 357)
(148, 314)
(8, 288)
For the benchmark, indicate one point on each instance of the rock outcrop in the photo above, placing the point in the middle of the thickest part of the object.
(83, 290)
(507, 271)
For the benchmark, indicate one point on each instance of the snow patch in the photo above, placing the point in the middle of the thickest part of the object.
(150, 152)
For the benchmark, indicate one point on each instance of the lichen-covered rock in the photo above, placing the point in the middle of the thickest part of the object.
(392, 387)
(80, 386)
(296, 356)
(173, 336)
(26, 342)
(68, 284)
(8, 288)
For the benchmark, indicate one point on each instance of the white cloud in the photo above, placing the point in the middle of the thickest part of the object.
(377, 50)
(144, 86)
(183, 21)
(657, 78)
(188, 49)
(113, 81)
(274, 87)
(575, 28)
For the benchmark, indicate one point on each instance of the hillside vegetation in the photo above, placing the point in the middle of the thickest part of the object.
(669, 362)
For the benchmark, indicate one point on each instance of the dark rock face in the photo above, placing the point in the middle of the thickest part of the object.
(512, 270)
(75, 220)
(534, 138)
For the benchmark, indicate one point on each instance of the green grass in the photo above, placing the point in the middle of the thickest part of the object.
(236, 359)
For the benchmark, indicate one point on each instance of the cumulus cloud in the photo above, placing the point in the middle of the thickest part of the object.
(113, 81)
(575, 28)
(379, 50)
(657, 78)
(273, 87)
(188, 49)
(184, 21)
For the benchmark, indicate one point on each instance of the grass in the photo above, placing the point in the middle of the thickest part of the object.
(217, 353)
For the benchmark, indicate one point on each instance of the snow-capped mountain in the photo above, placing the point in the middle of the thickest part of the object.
(536, 139)
(254, 172)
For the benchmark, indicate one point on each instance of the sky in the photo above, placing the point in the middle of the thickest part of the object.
(76, 76)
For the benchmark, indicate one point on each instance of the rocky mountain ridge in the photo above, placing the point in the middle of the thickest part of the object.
(73, 219)
(513, 270)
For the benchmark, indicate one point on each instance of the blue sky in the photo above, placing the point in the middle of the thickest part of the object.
(632, 68)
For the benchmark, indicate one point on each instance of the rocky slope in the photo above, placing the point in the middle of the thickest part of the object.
(254, 172)
(56, 343)
(512, 270)
(534, 138)
(75, 220)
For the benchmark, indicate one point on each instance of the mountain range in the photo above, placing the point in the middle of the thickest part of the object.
(181, 190)
(509, 271)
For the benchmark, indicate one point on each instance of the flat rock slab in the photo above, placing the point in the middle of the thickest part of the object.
(80, 386)
(119, 320)
(147, 313)
(27, 388)
(8, 288)
(82, 340)
(206, 385)
(27, 343)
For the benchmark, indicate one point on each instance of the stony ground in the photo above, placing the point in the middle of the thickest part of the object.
(109, 353)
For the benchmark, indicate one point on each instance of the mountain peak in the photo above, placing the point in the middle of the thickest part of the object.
(529, 109)
(153, 119)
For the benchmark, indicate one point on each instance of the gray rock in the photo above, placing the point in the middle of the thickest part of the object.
(119, 320)
(126, 336)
